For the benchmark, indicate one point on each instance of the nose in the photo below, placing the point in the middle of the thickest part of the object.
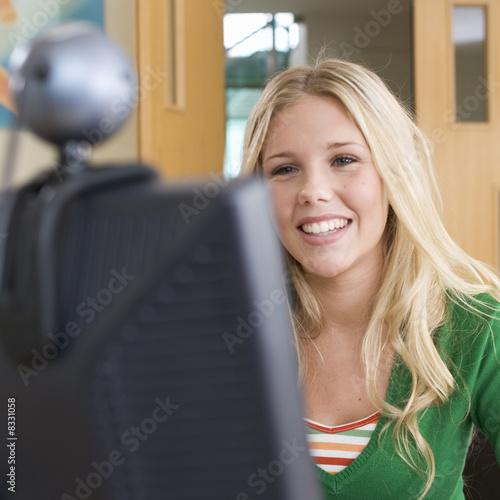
(315, 189)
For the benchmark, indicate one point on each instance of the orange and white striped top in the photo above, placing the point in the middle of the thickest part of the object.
(334, 448)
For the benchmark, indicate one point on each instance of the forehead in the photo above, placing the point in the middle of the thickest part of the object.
(317, 117)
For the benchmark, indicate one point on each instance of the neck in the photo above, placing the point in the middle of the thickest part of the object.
(347, 300)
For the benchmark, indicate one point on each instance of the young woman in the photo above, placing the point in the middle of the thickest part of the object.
(396, 327)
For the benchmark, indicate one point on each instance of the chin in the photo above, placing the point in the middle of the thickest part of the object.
(323, 271)
(323, 262)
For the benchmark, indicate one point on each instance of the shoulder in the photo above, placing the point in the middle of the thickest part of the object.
(472, 331)
(474, 345)
(471, 315)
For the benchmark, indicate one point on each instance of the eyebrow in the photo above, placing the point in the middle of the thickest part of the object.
(329, 147)
(336, 145)
(284, 154)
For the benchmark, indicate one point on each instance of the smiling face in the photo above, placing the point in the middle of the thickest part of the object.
(330, 204)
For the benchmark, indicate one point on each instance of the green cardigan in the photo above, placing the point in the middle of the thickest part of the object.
(379, 473)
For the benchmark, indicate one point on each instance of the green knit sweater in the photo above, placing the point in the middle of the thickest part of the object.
(472, 343)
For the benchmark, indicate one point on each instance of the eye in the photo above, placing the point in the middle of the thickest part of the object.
(343, 160)
(283, 170)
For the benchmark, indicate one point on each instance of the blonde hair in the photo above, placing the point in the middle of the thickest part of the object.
(423, 268)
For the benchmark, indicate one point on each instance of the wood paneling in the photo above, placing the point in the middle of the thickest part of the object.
(467, 154)
(183, 139)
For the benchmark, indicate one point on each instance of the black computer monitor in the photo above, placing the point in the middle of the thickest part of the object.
(169, 369)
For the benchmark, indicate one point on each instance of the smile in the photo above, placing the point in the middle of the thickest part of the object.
(324, 227)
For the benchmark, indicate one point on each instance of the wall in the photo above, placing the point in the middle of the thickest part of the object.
(381, 42)
(374, 32)
(34, 155)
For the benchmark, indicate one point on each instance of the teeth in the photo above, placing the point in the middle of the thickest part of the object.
(324, 227)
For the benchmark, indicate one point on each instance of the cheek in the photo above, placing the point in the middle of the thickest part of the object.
(278, 199)
(370, 192)
(369, 201)
(283, 208)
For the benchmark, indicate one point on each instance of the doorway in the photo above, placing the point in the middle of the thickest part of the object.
(263, 37)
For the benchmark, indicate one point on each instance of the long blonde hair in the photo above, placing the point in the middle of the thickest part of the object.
(423, 268)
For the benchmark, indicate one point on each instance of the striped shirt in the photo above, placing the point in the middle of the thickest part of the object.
(334, 448)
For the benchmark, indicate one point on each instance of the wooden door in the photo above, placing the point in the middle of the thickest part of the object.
(180, 54)
(467, 153)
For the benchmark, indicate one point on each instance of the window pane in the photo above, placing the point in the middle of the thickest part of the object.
(469, 37)
(257, 45)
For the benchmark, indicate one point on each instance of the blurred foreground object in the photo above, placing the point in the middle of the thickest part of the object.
(72, 83)
(146, 346)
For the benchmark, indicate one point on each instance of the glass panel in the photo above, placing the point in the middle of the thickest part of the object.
(256, 45)
(469, 38)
